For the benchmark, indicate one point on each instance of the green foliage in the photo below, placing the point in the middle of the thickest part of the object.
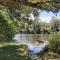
(7, 26)
(52, 5)
(54, 40)
(55, 24)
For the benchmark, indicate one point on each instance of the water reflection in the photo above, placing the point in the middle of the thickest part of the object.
(25, 38)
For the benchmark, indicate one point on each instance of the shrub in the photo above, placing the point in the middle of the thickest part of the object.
(7, 26)
(54, 40)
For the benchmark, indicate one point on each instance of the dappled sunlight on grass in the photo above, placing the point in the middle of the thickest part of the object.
(10, 51)
(7, 43)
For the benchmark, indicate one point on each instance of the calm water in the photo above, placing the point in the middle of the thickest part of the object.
(25, 38)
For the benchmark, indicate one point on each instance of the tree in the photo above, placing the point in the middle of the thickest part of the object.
(21, 9)
(52, 5)
(55, 24)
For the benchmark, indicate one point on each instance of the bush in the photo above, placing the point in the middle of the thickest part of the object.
(7, 26)
(54, 40)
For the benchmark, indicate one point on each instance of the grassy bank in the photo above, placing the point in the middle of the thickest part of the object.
(11, 51)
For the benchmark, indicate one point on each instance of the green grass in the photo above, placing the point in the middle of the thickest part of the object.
(6, 43)
(11, 51)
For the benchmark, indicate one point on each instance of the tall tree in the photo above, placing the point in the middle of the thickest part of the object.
(55, 24)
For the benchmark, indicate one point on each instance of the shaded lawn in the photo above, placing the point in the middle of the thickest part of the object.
(13, 52)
